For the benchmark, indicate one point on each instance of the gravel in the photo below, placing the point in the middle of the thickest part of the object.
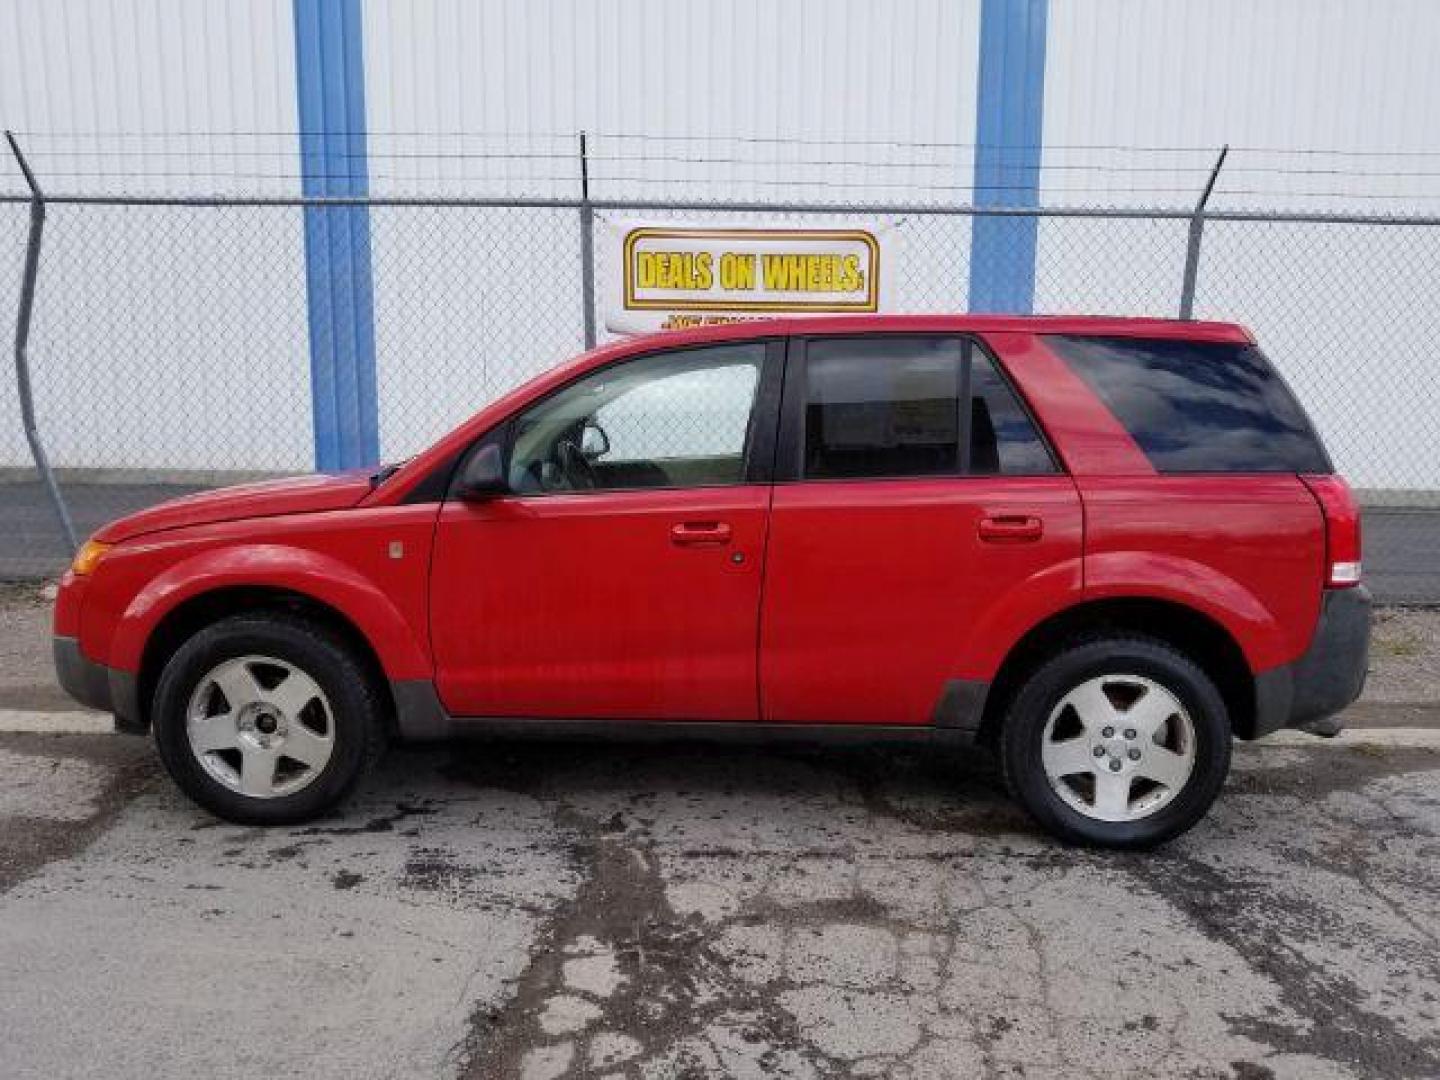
(1405, 656)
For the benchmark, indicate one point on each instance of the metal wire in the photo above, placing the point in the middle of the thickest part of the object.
(685, 167)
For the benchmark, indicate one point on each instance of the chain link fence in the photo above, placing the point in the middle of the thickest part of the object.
(170, 349)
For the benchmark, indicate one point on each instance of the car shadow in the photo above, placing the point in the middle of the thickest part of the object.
(936, 788)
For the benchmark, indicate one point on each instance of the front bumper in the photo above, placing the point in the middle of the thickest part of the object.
(98, 686)
(1327, 677)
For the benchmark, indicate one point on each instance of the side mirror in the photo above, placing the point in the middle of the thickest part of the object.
(594, 443)
(483, 476)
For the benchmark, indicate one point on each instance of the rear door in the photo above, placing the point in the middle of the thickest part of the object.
(915, 496)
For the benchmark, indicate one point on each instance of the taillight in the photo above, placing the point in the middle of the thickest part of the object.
(1342, 529)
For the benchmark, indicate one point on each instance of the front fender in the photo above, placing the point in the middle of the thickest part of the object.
(279, 566)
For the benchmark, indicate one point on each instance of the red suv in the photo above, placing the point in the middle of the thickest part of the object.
(1102, 546)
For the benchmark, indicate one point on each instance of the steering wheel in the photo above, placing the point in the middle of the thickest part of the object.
(576, 466)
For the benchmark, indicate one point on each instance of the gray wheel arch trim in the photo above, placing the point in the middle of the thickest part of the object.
(961, 707)
(419, 715)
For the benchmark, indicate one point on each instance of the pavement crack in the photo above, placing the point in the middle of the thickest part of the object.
(618, 967)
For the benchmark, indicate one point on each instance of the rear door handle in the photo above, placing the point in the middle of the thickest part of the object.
(1011, 527)
(700, 533)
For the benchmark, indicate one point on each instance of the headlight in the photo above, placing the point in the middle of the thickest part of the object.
(88, 557)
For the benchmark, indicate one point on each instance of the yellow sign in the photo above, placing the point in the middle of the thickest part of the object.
(674, 276)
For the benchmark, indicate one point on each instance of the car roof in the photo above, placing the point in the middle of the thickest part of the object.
(1094, 325)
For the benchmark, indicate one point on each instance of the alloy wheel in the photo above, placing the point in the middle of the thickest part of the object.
(1118, 747)
(260, 726)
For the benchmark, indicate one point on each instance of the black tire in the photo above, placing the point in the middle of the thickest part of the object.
(355, 707)
(1029, 711)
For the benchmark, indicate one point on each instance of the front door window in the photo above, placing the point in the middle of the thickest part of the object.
(673, 420)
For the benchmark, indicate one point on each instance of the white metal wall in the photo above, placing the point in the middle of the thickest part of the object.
(744, 99)
(166, 95)
(1274, 80)
(1354, 80)
(140, 313)
(844, 72)
(748, 99)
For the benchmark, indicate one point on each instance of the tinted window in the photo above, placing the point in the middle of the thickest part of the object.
(677, 419)
(882, 406)
(1003, 439)
(1196, 406)
(890, 406)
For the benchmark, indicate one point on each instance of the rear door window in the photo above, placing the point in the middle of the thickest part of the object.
(877, 407)
(1003, 438)
(1197, 406)
(890, 406)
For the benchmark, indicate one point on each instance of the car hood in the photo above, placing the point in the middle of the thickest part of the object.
(269, 498)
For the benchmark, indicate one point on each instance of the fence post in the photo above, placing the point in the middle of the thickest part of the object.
(22, 344)
(1192, 247)
(587, 247)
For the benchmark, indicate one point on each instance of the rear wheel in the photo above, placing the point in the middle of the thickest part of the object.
(1118, 742)
(266, 719)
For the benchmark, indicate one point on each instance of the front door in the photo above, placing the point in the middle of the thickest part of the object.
(621, 578)
(914, 501)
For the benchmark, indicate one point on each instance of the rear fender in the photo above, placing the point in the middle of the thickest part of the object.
(1154, 576)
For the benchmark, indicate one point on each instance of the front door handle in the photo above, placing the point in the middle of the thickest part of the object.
(1011, 527)
(700, 533)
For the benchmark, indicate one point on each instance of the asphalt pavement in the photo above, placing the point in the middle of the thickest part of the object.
(540, 910)
(590, 910)
(1402, 546)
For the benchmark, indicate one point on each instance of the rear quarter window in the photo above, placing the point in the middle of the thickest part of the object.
(1197, 406)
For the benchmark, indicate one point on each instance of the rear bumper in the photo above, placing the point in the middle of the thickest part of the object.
(1330, 674)
(98, 686)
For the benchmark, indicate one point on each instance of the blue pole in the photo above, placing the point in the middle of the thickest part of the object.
(330, 88)
(1009, 118)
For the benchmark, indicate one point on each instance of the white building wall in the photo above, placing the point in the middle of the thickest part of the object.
(680, 99)
(178, 339)
(149, 349)
(1154, 90)
(150, 96)
(679, 73)
(1342, 310)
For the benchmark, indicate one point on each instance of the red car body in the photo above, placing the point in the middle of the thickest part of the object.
(895, 602)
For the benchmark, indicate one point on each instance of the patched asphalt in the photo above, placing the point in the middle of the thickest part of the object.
(574, 909)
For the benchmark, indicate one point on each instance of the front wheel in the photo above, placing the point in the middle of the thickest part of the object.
(266, 719)
(1118, 742)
